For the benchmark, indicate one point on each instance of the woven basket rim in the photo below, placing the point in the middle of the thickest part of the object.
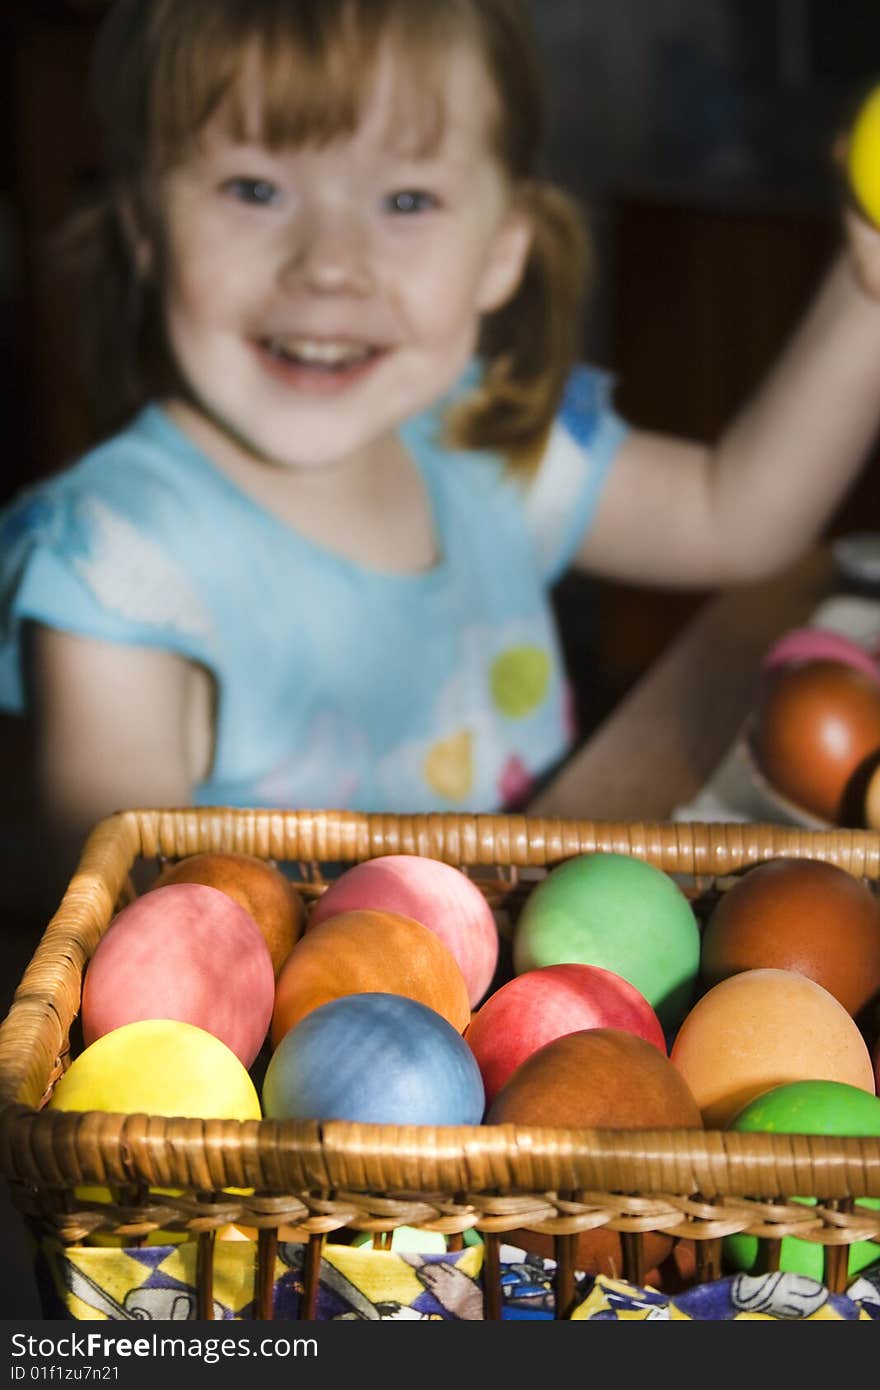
(54, 1149)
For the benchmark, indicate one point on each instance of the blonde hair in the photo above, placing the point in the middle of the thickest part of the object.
(163, 67)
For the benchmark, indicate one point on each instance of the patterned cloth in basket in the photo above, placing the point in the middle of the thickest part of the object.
(159, 1282)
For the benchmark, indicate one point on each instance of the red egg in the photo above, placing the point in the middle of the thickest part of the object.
(534, 1008)
(816, 725)
(186, 952)
(798, 914)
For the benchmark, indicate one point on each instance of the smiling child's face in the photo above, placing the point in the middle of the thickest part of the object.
(316, 296)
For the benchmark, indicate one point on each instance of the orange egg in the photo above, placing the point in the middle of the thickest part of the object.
(798, 914)
(816, 724)
(366, 951)
(762, 1028)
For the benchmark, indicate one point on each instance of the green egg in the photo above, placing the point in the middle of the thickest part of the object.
(621, 913)
(808, 1107)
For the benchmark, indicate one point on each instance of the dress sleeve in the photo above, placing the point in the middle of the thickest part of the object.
(71, 559)
(562, 497)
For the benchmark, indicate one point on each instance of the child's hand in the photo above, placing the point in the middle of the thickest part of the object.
(863, 241)
(862, 235)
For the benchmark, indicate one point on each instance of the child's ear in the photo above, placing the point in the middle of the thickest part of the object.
(506, 260)
(139, 242)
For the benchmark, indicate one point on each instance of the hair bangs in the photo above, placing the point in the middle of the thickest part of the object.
(299, 75)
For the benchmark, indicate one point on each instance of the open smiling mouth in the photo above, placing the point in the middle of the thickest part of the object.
(324, 358)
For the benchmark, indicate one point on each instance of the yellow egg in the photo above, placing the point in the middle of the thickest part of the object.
(156, 1067)
(863, 156)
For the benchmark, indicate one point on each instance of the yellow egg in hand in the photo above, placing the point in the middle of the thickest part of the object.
(863, 156)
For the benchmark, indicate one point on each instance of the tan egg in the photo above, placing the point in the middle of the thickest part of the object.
(762, 1028)
(872, 799)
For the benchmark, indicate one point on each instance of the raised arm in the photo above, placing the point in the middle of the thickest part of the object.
(679, 513)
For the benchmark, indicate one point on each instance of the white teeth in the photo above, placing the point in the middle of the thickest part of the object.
(322, 354)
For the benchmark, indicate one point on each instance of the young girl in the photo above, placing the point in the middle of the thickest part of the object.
(349, 450)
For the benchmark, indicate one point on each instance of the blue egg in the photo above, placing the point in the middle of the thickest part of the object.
(374, 1058)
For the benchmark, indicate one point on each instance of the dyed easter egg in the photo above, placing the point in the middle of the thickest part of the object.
(363, 952)
(534, 1008)
(261, 888)
(618, 912)
(819, 644)
(603, 1078)
(863, 156)
(798, 914)
(156, 1067)
(763, 1028)
(871, 800)
(816, 725)
(377, 1058)
(808, 1107)
(187, 952)
(438, 895)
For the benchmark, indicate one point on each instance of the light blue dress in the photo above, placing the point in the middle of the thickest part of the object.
(336, 686)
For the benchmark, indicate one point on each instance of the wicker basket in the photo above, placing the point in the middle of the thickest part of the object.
(321, 1178)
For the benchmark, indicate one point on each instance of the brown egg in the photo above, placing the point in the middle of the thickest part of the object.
(602, 1078)
(816, 723)
(366, 950)
(260, 887)
(798, 914)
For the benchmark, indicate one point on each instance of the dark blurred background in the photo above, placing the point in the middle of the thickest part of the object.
(698, 134)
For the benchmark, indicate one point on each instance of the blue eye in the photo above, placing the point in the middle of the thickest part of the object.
(259, 191)
(410, 200)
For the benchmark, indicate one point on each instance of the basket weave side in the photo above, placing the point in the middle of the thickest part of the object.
(50, 1150)
(475, 840)
(56, 1148)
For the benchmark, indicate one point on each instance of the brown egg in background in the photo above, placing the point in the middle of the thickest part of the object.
(800, 914)
(258, 885)
(597, 1078)
(816, 723)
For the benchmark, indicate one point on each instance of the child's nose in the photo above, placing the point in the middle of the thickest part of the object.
(329, 254)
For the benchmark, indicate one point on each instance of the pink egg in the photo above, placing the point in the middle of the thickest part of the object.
(546, 1003)
(819, 644)
(438, 895)
(185, 952)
